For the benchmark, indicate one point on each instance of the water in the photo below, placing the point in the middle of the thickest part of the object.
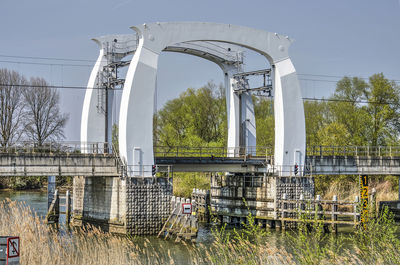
(36, 200)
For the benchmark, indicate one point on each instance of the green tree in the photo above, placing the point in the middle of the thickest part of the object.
(265, 122)
(383, 110)
(316, 116)
(196, 118)
(347, 110)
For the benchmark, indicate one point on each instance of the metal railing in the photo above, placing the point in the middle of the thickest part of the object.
(58, 147)
(353, 151)
(199, 151)
(186, 151)
(148, 170)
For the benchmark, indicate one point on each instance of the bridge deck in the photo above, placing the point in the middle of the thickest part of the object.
(47, 164)
(96, 161)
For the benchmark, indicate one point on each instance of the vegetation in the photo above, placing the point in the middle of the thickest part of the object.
(378, 244)
(359, 113)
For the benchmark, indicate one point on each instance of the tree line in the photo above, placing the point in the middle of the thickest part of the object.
(360, 112)
(29, 110)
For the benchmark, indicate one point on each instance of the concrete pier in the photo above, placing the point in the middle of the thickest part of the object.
(233, 196)
(126, 206)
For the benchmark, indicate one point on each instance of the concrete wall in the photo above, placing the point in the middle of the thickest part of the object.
(149, 204)
(233, 195)
(131, 206)
(47, 164)
(353, 165)
(100, 201)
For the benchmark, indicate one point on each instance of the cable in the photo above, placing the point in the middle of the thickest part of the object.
(64, 87)
(47, 58)
(350, 101)
(340, 77)
(58, 64)
(93, 61)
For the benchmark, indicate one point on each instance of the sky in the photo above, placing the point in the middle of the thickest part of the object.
(331, 39)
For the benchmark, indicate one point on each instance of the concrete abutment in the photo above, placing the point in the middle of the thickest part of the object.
(140, 206)
(234, 196)
(135, 206)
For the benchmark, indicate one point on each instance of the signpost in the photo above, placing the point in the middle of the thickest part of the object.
(186, 208)
(364, 200)
(9, 250)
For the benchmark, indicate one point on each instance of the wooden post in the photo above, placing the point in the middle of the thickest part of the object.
(355, 207)
(373, 203)
(302, 206)
(53, 213)
(318, 207)
(67, 208)
(334, 213)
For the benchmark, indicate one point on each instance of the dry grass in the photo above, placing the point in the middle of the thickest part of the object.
(41, 244)
(347, 191)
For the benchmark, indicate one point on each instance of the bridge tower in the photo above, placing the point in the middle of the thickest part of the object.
(137, 106)
(97, 113)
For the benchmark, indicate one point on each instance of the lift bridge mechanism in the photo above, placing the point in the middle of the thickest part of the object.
(108, 76)
(242, 83)
(107, 79)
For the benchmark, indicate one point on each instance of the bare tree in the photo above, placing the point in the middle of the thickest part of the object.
(11, 106)
(43, 120)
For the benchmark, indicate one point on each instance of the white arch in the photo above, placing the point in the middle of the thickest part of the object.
(92, 120)
(135, 121)
(224, 55)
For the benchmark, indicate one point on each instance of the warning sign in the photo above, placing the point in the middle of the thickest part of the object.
(186, 208)
(12, 247)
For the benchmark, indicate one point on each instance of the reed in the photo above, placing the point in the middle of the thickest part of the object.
(41, 244)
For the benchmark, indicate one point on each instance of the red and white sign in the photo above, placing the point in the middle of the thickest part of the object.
(186, 208)
(12, 247)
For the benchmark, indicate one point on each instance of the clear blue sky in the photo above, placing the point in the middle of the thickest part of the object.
(336, 38)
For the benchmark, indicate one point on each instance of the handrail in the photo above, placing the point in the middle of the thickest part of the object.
(58, 147)
(266, 152)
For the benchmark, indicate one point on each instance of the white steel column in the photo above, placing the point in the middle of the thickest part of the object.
(92, 122)
(136, 112)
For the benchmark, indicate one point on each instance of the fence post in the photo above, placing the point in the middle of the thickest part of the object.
(318, 207)
(355, 207)
(373, 203)
(302, 205)
(67, 207)
(334, 213)
(284, 206)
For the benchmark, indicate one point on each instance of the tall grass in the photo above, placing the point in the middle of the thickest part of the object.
(41, 244)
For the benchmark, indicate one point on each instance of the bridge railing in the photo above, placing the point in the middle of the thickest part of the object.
(209, 151)
(58, 147)
(376, 151)
(148, 170)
